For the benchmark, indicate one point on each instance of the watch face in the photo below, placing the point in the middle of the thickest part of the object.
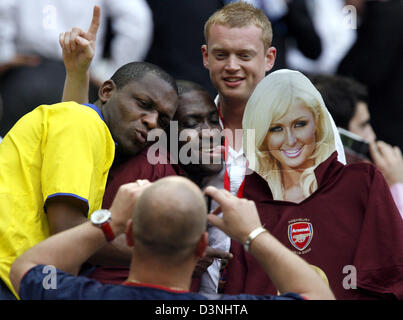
(101, 216)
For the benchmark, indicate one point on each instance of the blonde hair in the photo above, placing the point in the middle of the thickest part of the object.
(241, 14)
(270, 101)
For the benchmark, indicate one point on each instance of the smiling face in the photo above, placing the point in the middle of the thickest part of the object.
(198, 119)
(291, 139)
(132, 111)
(237, 60)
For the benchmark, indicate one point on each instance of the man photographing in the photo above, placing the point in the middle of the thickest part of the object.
(163, 257)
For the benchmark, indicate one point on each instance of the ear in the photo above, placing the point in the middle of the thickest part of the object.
(129, 233)
(204, 51)
(202, 245)
(270, 57)
(106, 90)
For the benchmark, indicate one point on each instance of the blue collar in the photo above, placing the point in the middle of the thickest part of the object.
(95, 108)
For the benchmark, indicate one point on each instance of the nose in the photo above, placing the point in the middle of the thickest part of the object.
(290, 138)
(151, 119)
(232, 64)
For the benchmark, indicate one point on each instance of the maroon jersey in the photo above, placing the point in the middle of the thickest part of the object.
(136, 167)
(349, 224)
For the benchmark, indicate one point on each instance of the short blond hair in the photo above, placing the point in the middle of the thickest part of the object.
(241, 14)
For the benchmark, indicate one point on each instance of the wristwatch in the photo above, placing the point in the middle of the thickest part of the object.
(252, 236)
(101, 219)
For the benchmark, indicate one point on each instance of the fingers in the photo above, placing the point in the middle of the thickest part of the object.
(215, 221)
(384, 154)
(61, 40)
(142, 182)
(385, 149)
(96, 18)
(75, 32)
(217, 253)
(73, 40)
(376, 154)
(220, 196)
(398, 152)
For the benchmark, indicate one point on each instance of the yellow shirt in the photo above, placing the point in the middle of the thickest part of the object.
(61, 149)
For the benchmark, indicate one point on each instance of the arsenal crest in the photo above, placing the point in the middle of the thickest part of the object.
(300, 234)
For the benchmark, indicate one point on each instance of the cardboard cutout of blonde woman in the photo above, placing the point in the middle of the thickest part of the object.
(340, 219)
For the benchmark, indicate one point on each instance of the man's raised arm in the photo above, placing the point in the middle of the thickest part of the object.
(78, 50)
(288, 272)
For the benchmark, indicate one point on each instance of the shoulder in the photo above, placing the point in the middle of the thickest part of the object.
(139, 166)
(363, 169)
(75, 110)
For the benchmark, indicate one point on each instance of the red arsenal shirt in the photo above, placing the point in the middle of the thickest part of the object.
(134, 168)
(349, 227)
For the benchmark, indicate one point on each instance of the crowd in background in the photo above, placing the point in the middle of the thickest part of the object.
(349, 49)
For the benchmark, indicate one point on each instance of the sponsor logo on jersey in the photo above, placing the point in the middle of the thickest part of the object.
(300, 234)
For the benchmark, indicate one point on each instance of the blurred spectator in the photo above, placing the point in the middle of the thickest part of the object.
(31, 67)
(335, 34)
(178, 37)
(376, 61)
(346, 101)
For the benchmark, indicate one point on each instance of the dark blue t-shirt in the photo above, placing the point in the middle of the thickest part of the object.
(40, 284)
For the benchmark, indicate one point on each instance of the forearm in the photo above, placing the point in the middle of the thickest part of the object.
(62, 216)
(76, 87)
(288, 272)
(115, 253)
(67, 251)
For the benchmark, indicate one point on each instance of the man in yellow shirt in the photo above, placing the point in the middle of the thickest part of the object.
(55, 161)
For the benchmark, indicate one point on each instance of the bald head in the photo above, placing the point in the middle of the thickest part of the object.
(169, 218)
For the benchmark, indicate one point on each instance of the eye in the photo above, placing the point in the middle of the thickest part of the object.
(143, 104)
(191, 124)
(275, 129)
(220, 55)
(300, 124)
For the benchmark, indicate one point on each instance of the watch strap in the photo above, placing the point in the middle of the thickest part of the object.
(253, 236)
(108, 232)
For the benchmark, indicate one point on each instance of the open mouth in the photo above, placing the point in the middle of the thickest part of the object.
(292, 153)
(216, 151)
(211, 155)
(233, 81)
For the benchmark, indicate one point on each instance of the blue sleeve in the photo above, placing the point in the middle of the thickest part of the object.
(48, 283)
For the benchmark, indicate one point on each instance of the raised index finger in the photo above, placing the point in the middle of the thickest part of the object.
(96, 17)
